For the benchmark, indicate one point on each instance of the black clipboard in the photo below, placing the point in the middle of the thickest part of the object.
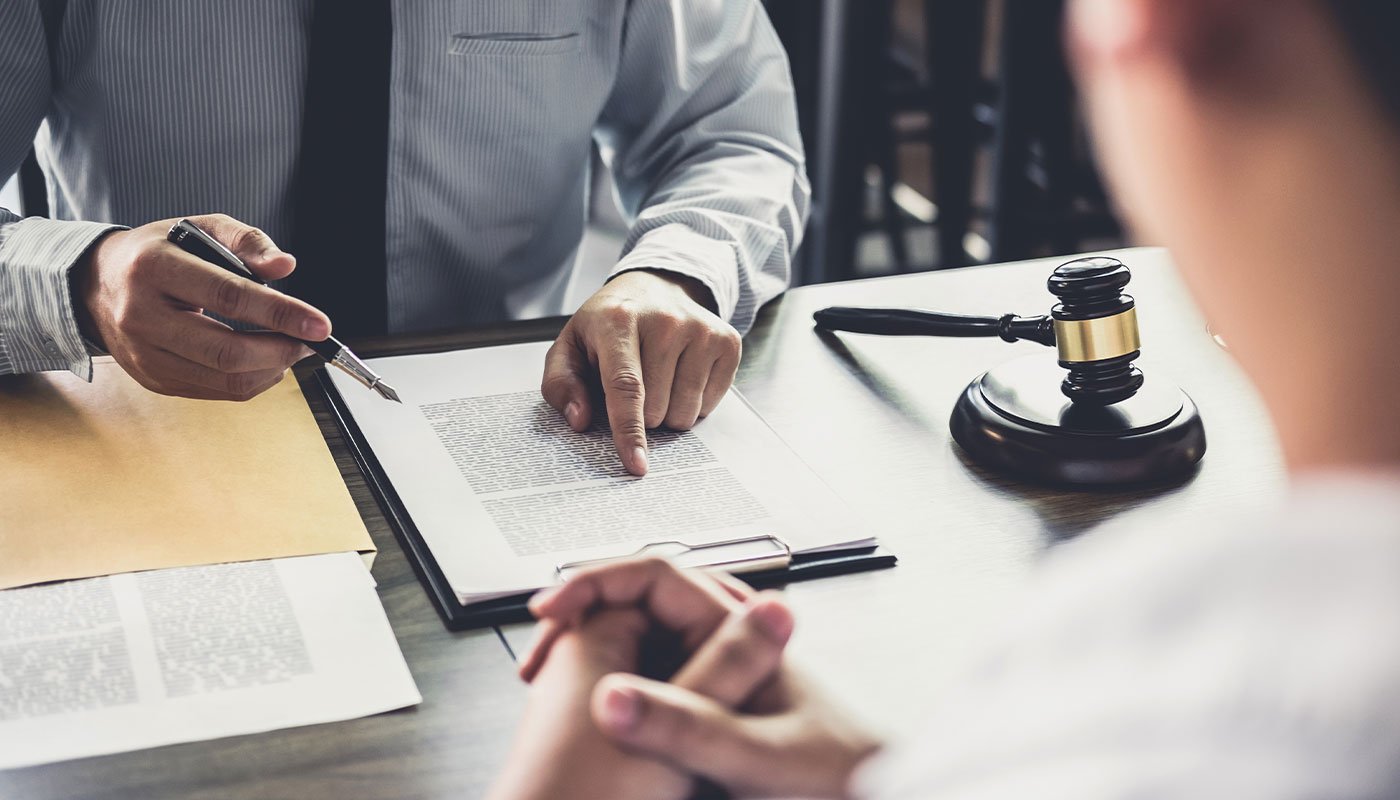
(506, 610)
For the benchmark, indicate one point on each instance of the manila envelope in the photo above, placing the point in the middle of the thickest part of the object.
(108, 477)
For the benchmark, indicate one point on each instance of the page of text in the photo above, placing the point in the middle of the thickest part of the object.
(126, 662)
(504, 492)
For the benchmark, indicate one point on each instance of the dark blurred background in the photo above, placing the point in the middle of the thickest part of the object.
(939, 133)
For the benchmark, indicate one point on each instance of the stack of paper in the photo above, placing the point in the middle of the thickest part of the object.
(126, 662)
(177, 645)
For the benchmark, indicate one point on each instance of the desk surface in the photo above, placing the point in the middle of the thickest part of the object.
(870, 415)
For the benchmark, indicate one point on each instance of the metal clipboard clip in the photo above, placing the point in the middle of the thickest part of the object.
(748, 554)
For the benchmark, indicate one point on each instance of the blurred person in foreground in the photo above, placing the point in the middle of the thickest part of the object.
(1247, 655)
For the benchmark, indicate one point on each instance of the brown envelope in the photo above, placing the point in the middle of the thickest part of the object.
(108, 477)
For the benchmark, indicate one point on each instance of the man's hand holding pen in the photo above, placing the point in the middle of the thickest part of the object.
(142, 299)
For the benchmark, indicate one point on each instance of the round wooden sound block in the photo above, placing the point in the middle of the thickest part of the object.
(1014, 419)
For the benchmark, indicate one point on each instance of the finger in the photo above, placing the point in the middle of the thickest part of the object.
(613, 638)
(687, 602)
(736, 588)
(255, 248)
(620, 371)
(686, 729)
(175, 388)
(167, 368)
(547, 632)
(692, 373)
(275, 377)
(659, 358)
(742, 655)
(192, 281)
(722, 375)
(217, 346)
(565, 384)
(549, 629)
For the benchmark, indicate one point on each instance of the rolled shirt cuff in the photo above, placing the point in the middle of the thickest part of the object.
(38, 326)
(678, 248)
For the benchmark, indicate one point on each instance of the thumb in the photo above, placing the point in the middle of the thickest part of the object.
(255, 248)
(691, 732)
(563, 387)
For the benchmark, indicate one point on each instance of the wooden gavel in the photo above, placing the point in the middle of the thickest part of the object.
(1094, 327)
(1117, 428)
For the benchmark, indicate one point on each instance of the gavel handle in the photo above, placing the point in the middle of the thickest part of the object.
(912, 322)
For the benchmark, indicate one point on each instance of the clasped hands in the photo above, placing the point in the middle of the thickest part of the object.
(646, 678)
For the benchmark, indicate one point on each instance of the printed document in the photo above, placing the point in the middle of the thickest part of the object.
(138, 660)
(505, 493)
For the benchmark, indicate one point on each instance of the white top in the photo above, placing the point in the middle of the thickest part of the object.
(1246, 655)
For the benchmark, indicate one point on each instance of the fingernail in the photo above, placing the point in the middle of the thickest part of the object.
(1108, 26)
(772, 619)
(571, 413)
(542, 597)
(526, 657)
(621, 709)
(314, 329)
(639, 459)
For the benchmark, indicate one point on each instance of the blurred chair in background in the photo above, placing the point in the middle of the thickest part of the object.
(932, 125)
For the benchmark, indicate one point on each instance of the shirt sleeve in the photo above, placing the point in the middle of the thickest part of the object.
(38, 330)
(701, 131)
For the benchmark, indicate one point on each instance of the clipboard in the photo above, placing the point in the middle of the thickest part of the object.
(761, 572)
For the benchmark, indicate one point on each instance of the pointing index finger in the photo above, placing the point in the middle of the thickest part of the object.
(620, 371)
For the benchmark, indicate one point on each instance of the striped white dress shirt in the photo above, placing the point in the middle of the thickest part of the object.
(146, 109)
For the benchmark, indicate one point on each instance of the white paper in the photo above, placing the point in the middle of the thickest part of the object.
(504, 492)
(128, 662)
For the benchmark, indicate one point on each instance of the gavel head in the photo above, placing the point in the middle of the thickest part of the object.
(1096, 330)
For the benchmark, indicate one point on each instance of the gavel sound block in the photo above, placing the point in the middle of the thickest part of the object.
(1091, 419)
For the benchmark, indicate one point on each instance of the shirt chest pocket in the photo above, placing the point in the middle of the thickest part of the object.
(516, 28)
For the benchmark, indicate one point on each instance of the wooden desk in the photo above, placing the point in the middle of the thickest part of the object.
(870, 414)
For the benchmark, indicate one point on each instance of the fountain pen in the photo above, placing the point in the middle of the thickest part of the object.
(195, 241)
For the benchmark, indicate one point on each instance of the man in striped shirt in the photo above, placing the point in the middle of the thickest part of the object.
(425, 165)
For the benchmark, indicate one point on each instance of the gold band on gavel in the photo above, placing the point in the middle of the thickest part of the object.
(1097, 339)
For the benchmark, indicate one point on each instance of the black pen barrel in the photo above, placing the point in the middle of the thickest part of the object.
(327, 349)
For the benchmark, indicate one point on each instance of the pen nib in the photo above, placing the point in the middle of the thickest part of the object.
(386, 391)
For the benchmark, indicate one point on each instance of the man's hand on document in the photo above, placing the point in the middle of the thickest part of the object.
(651, 342)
